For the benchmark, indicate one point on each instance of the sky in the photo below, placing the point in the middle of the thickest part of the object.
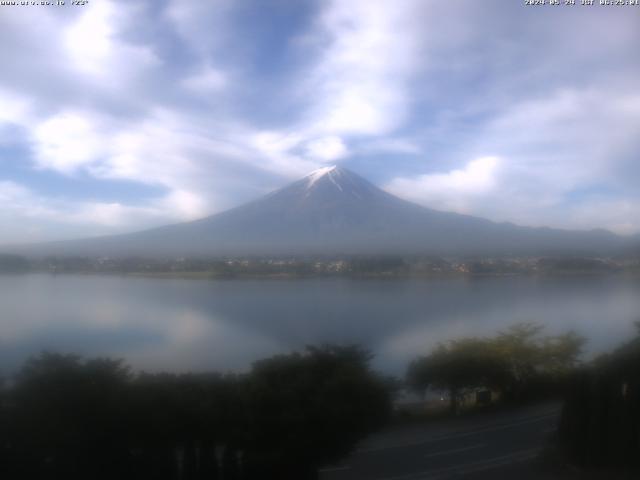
(116, 116)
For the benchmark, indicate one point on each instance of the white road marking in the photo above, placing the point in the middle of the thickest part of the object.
(488, 464)
(455, 450)
(334, 469)
(460, 434)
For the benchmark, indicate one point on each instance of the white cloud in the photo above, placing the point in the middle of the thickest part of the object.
(171, 148)
(209, 80)
(390, 145)
(105, 214)
(66, 142)
(360, 82)
(165, 150)
(94, 49)
(618, 215)
(456, 190)
(554, 150)
(202, 25)
(14, 108)
(275, 148)
(89, 41)
(374, 77)
(568, 141)
(326, 149)
(185, 205)
(28, 215)
(11, 191)
(369, 57)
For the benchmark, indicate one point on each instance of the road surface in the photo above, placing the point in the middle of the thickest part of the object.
(491, 446)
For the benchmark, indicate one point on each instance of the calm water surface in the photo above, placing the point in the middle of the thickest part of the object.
(196, 325)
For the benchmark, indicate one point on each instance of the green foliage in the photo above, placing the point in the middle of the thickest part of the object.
(600, 422)
(510, 362)
(66, 417)
(314, 406)
(458, 367)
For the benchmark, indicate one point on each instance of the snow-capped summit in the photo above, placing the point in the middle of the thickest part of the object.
(334, 211)
(321, 172)
(331, 183)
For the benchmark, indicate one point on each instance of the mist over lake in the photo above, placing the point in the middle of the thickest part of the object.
(195, 325)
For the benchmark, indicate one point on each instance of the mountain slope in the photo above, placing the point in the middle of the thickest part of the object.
(331, 211)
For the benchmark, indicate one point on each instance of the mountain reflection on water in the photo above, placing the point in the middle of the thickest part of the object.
(180, 325)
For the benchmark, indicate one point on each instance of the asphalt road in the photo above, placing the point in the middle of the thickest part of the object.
(492, 446)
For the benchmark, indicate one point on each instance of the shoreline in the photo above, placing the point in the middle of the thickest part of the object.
(196, 275)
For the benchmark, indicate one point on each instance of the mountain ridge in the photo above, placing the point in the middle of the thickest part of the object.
(335, 211)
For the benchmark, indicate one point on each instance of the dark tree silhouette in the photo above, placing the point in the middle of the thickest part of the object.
(70, 418)
(310, 409)
(600, 422)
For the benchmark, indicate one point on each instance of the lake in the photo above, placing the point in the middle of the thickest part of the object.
(194, 325)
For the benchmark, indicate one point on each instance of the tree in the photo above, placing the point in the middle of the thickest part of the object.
(69, 416)
(529, 357)
(561, 353)
(521, 355)
(512, 362)
(457, 367)
(600, 421)
(186, 415)
(308, 409)
(66, 417)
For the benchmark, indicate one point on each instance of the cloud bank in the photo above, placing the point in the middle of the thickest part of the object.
(191, 108)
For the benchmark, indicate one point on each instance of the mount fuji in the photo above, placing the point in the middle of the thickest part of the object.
(334, 211)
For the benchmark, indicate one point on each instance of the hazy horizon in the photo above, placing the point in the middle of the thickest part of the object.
(312, 177)
(333, 212)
